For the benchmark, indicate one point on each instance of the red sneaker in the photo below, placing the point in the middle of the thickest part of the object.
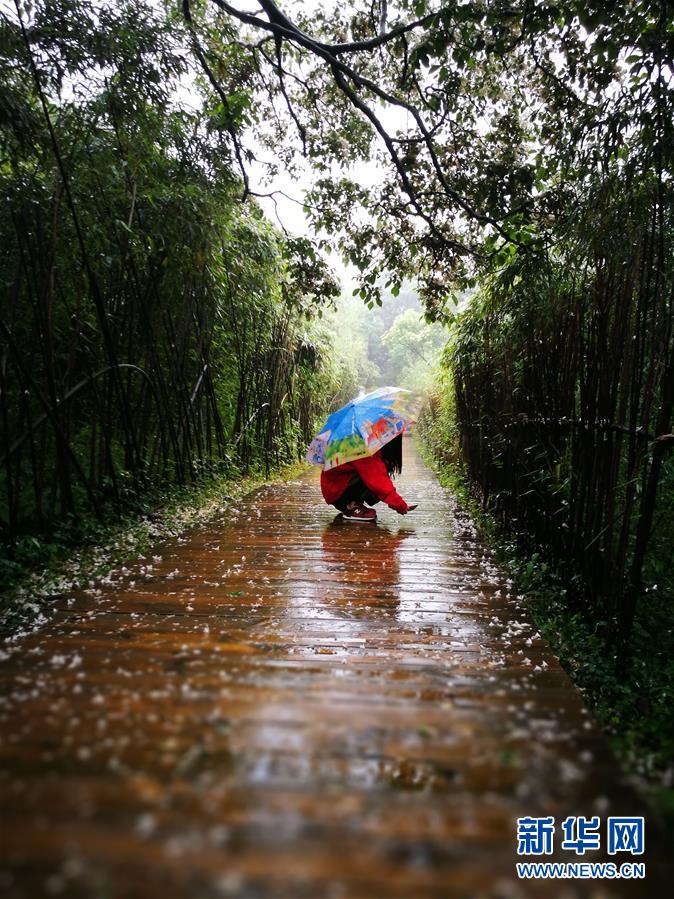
(358, 512)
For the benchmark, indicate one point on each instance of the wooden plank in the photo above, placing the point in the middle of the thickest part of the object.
(278, 704)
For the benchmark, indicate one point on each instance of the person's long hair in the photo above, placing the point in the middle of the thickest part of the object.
(392, 454)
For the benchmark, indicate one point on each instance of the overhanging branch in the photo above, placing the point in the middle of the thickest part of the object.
(351, 82)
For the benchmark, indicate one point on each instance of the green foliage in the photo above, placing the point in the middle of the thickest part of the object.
(83, 549)
(438, 424)
(388, 344)
(154, 329)
(557, 396)
(635, 711)
(494, 122)
(414, 349)
(354, 369)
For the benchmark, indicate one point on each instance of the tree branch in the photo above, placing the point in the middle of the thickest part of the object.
(217, 87)
(282, 27)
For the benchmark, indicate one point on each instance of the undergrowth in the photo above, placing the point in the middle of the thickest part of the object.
(636, 710)
(78, 551)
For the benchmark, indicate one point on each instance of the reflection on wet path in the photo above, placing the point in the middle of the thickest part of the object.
(282, 704)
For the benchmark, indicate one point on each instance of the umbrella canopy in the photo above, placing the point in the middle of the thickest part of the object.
(362, 427)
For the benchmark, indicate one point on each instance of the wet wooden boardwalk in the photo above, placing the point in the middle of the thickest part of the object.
(284, 705)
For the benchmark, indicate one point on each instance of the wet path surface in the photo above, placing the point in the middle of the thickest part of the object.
(284, 705)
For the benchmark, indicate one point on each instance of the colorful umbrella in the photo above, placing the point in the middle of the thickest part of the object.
(362, 427)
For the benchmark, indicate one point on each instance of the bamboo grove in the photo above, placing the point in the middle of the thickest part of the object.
(563, 375)
(153, 329)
